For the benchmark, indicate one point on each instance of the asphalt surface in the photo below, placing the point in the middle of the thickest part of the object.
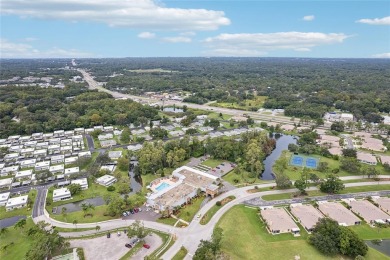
(7, 222)
(40, 201)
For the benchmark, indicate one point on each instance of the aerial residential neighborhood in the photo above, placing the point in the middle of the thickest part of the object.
(205, 130)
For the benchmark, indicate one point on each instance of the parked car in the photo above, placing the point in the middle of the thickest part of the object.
(222, 164)
(136, 210)
(119, 233)
(128, 246)
(218, 167)
(146, 246)
(108, 235)
(132, 211)
(139, 209)
(124, 214)
(128, 212)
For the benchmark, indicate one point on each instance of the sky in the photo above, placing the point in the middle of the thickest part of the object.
(183, 28)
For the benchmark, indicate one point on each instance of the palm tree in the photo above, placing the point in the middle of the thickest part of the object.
(20, 224)
(3, 231)
(63, 212)
(97, 228)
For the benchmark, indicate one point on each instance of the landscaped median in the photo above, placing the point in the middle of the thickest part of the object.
(211, 212)
(314, 193)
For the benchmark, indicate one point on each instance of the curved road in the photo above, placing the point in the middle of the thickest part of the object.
(190, 236)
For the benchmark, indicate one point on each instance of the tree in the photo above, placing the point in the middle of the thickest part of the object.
(97, 228)
(125, 136)
(158, 133)
(350, 165)
(350, 153)
(301, 186)
(3, 231)
(370, 171)
(20, 224)
(75, 223)
(214, 123)
(282, 181)
(115, 206)
(74, 189)
(103, 158)
(323, 167)
(337, 126)
(123, 164)
(210, 250)
(293, 148)
(386, 166)
(332, 185)
(331, 239)
(123, 188)
(86, 207)
(137, 229)
(63, 212)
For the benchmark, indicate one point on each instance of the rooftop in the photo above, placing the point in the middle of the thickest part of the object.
(278, 219)
(338, 212)
(367, 210)
(307, 214)
(17, 201)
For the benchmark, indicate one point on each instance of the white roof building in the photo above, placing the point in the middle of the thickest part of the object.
(61, 194)
(71, 160)
(28, 163)
(70, 171)
(23, 174)
(57, 168)
(44, 165)
(5, 183)
(82, 182)
(17, 202)
(3, 198)
(114, 155)
(106, 180)
(85, 154)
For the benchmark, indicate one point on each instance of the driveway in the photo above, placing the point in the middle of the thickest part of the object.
(154, 241)
(103, 248)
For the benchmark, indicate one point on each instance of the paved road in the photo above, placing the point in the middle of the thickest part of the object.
(188, 237)
(40, 202)
(91, 145)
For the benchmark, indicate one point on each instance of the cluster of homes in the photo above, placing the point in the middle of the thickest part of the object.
(57, 152)
(14, 202)
(365, 141)
(281, 220)
(181, 187)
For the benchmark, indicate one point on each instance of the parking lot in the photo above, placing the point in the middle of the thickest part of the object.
(144, 215)
(154, 241)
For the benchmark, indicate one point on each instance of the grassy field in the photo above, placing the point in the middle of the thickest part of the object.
(369, 233)
(257, 102)
(21, 242)
(168, 221)
(211, 212)
(98, 215)
(245, 237)
(319, 193)
(212, 162)
(240, 179)
(181, 254)
(188, 212)
(216, 115)
(26, 211)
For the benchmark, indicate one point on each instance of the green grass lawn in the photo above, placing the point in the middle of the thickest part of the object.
(245, 237)
(257, 102)
(212, 162)
(21, 242)
(216, 115)
(181, 254)
(319, 193)
(26, 211)
(188, 212)
(242, 178)
(369, 233)
(211, 212)
(98, 215)
(168, 221)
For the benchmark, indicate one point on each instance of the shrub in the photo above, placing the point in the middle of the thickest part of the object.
(218, 203)
(110, 188)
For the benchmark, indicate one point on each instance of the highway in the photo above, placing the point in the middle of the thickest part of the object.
(228, 111)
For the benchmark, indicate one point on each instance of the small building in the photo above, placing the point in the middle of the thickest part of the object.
(134, 147)
(339, 213)
(106, 180)
(4, 198)
(28, 163)
(346, 117)
(57, 159)
(212, 190)
(114, 155)
(368, 211)
(385, 159)
(278, 221)
(57, 169)
(71, 160)
(73, 170)
(107, 143)
(306, 214)
(9, 170)
(86, 154)
(41, 166)
(61, 194)
(16, 203)
(6, 183)
(366, 158)
(40, 153)
(23, 174)
(82, 182)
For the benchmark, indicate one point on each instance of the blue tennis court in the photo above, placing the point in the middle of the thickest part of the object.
(303, 161)
(311, 162)
(296, 160)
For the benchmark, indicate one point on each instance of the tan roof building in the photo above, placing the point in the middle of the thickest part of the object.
(368, 211)
(278, 221)
(335, 151)
(339, 213)
(307, 215)
(385, 159)
(288, 127)
(384, 203)
(366, 158)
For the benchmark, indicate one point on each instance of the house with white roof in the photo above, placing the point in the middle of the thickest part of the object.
(82, 182)
(85, 154)
(41, 166)
(106, 180)
(61, 194)
(6, 183)
(57, 169)
(40, 153)
(11, 157)
(9, 170)
(57, 159)
(23, 174)
(71, 160)
(54, 148)
(16, 203)
(70, 171)
(4, 198)
(28, 163)
(115, 155)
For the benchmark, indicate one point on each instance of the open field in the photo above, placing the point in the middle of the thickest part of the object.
(211, 212)
(245, 237)
(248, 105)
(212, 162)
(181, 254)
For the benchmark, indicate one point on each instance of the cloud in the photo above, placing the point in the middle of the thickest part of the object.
(376, 21)
(147, 35)
(308, 18)
(177, 39)
(254, 44)
(30, 39)
(189, 34)
(382, 55)
(21, 50)
(147, 14)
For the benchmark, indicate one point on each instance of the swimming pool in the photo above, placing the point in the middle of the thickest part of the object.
(162, 186)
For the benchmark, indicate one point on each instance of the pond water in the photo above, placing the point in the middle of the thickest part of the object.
(383, 246)
(76, 206)
(7, 222)
(282, 142)
(173, 110)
